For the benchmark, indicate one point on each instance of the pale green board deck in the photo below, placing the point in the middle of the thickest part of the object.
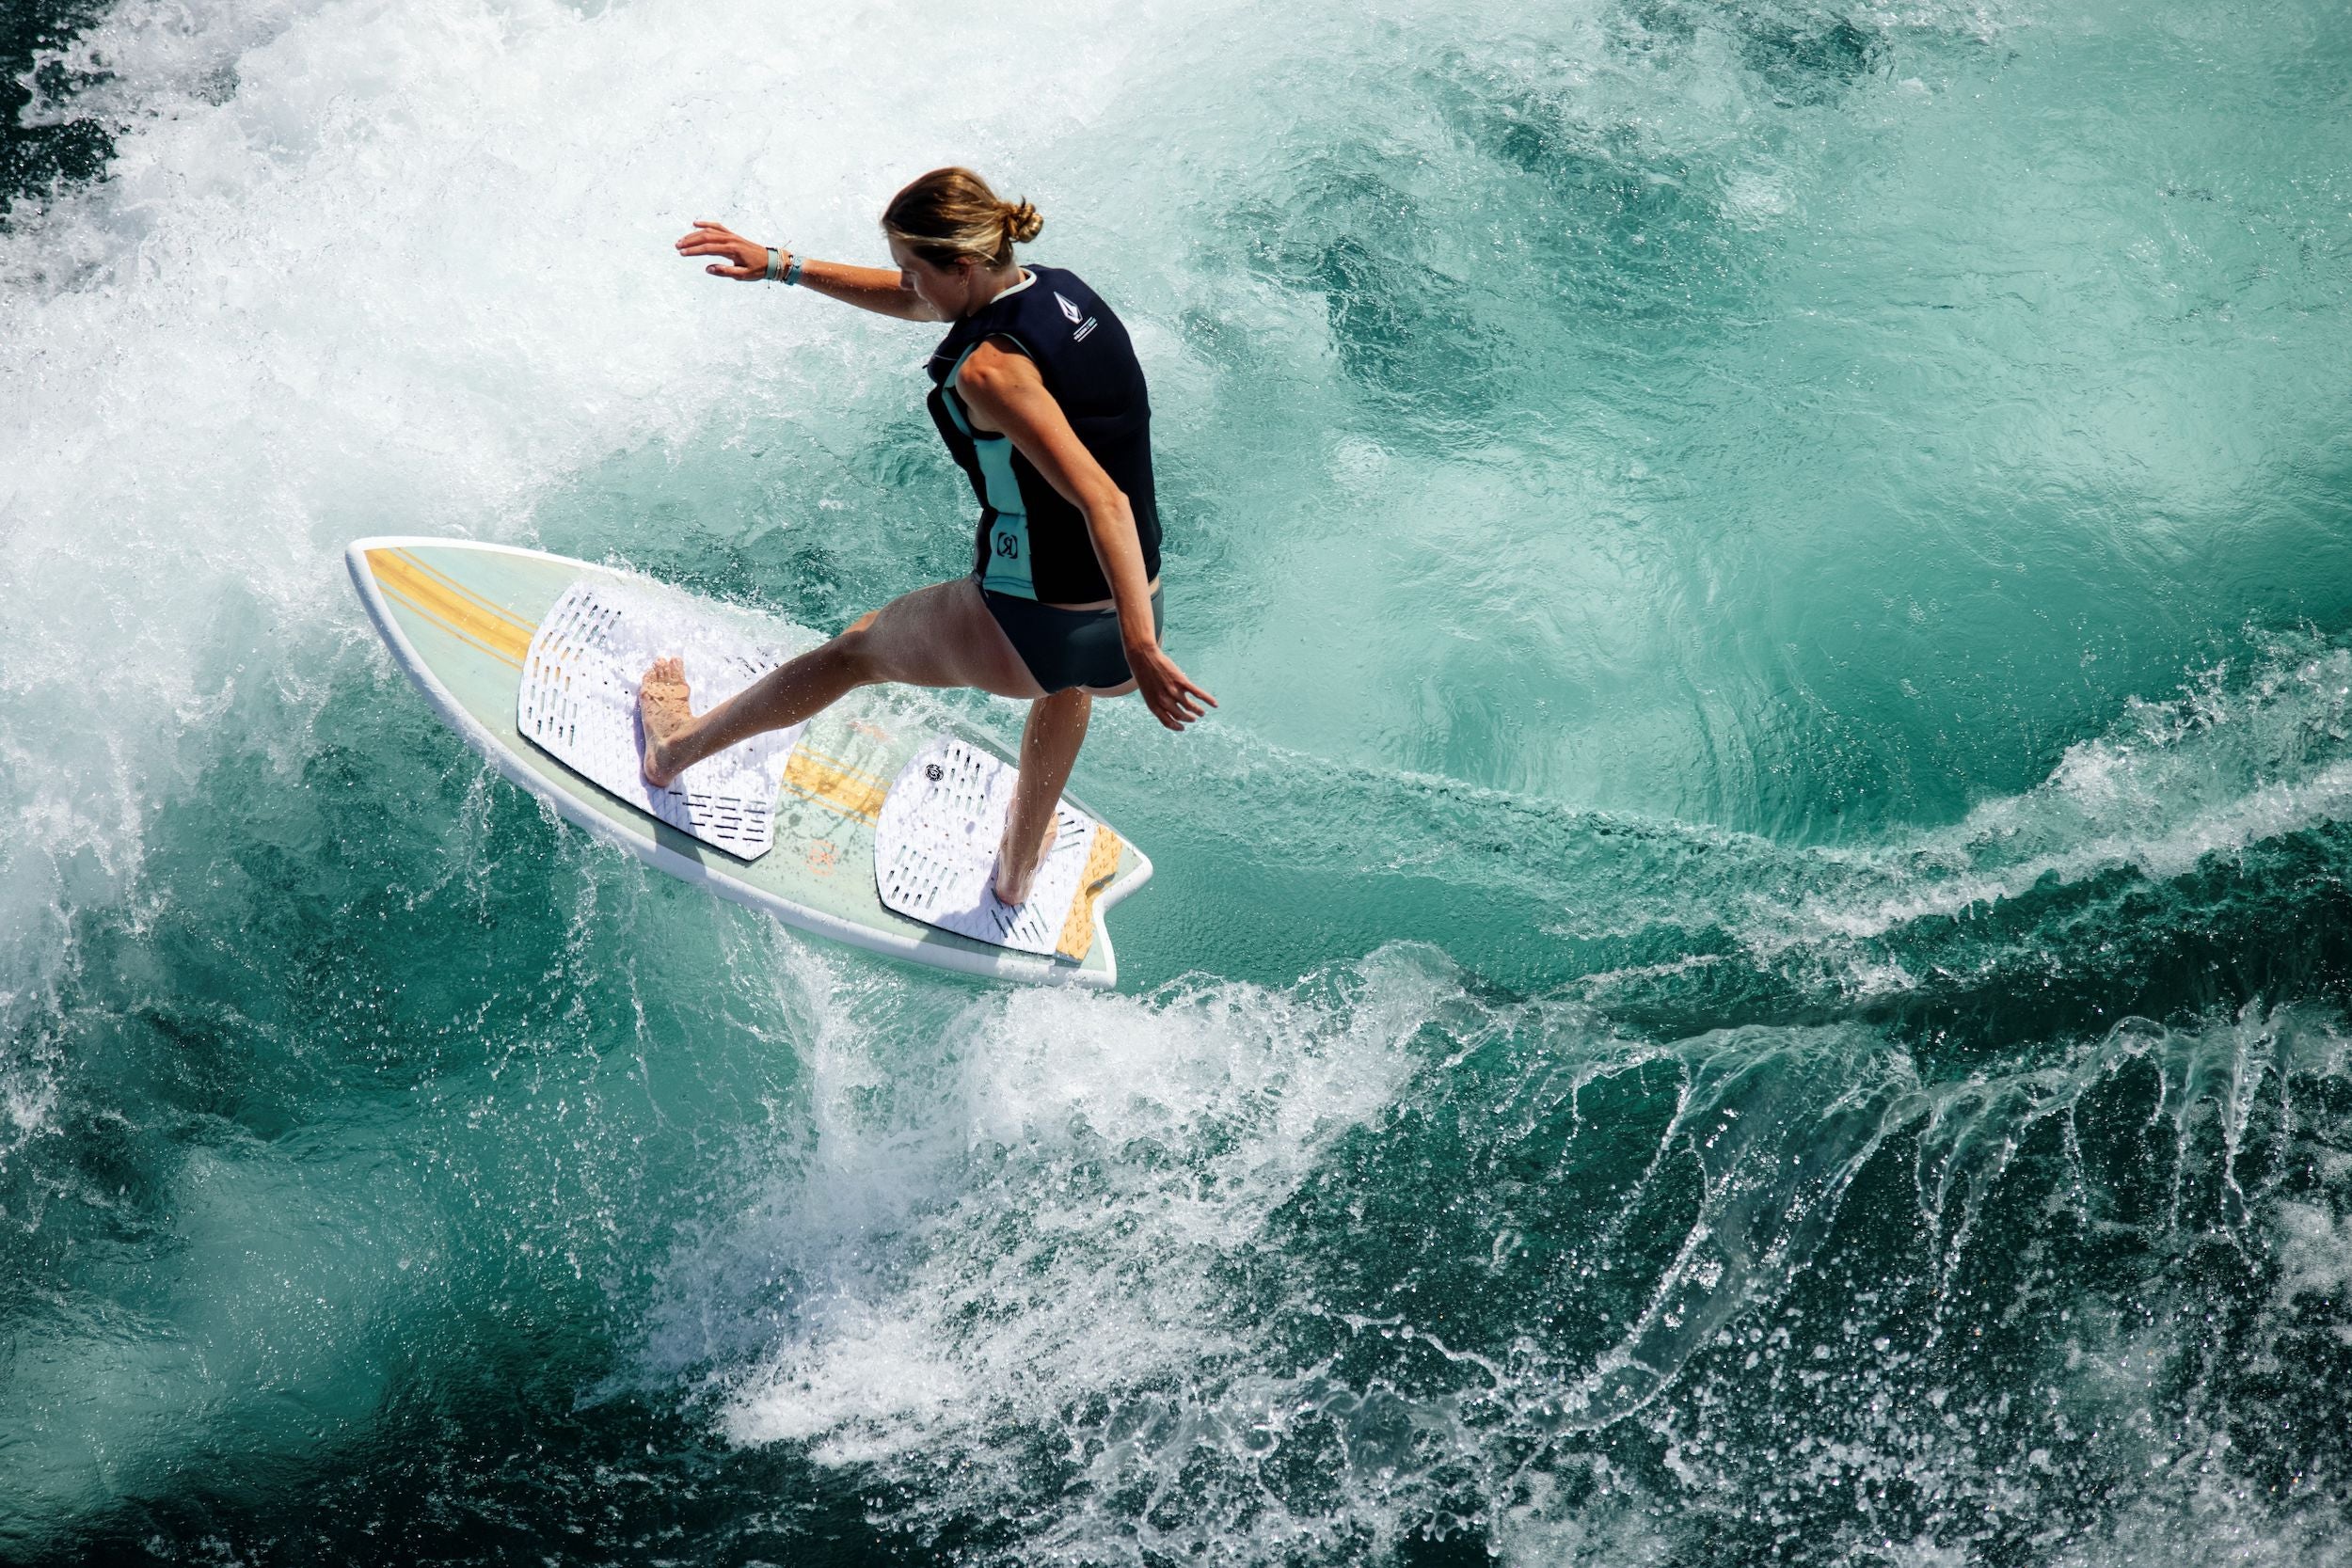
(456, 616)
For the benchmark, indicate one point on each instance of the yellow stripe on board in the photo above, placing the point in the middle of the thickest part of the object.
(845, 771)
(1077, 932)
(834, 786)
(454, 608)
(478, 624)
(422, 613)
(480, 601)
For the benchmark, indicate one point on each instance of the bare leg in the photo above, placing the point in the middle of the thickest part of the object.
(677, 738)
(1049, 749)
(937, 636)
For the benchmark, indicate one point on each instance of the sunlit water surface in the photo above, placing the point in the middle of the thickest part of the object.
(1752, 970)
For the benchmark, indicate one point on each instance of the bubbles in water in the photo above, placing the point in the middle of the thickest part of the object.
(1679, 502)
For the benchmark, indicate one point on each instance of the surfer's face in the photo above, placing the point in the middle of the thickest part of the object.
(951, 291)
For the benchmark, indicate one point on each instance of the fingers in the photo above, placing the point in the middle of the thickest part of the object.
(1171, 695)
(1182, 697)
(739, 259)
(1156, 699)
(1173, 705)
(716, 239)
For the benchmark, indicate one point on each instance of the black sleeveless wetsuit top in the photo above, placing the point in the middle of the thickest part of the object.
(1032, 543)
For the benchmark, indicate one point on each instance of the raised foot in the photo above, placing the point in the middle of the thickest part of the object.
(662, 706)
(1015, 873)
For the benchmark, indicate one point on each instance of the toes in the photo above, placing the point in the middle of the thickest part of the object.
(664, 683)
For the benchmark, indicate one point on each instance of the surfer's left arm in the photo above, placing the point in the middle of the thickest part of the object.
(1003, 389)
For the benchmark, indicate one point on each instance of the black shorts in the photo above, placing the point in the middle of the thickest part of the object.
(1065, 648)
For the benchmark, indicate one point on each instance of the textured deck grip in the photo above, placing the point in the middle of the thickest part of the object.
(578, 703)
(936, 856)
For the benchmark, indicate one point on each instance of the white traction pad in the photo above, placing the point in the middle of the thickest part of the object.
(936, 856)
(578, 704)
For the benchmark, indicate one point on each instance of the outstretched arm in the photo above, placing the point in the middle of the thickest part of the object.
(883, 291)
(1004, 391)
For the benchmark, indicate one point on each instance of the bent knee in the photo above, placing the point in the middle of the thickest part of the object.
(863, 655)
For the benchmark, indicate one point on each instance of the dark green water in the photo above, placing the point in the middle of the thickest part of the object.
(57, 146)
(1754, 969)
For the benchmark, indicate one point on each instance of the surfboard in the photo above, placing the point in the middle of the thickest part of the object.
(863, 826)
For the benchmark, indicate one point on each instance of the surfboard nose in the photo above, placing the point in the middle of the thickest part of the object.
(355, 563)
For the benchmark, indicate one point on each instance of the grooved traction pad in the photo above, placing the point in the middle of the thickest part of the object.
(578, 703)
(936, 856)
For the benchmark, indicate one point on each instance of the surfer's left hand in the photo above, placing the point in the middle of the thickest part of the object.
(1166, 690)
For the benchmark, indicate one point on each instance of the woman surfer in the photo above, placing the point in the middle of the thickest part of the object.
(1038, 394)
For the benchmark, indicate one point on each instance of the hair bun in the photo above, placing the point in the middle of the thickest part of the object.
(949, 216)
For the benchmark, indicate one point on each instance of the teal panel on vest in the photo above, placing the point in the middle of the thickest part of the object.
(1008, 570)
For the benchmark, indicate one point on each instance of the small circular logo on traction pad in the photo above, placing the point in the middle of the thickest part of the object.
(934, 772)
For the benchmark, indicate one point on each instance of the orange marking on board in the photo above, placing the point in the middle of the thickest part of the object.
(837, 788)
(1077, 932)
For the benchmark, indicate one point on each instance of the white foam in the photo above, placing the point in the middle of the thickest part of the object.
(1036, 1236)
(993, 1223)
(2223, 767)
(371, 268)
(364, 267)
(361, 268)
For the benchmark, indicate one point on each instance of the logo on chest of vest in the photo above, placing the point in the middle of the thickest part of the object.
(1075, 316)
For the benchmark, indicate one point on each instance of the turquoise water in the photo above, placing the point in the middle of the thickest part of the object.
(1753, 968)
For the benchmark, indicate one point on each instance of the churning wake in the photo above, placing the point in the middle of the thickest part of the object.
(1753, 968)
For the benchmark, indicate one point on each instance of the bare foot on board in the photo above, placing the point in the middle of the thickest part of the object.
(1013, 875)
(662, 705)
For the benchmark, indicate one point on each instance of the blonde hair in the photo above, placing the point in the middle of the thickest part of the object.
(951, 213)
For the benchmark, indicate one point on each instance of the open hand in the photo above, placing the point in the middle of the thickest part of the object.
(1166, 690)
(743, 259)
